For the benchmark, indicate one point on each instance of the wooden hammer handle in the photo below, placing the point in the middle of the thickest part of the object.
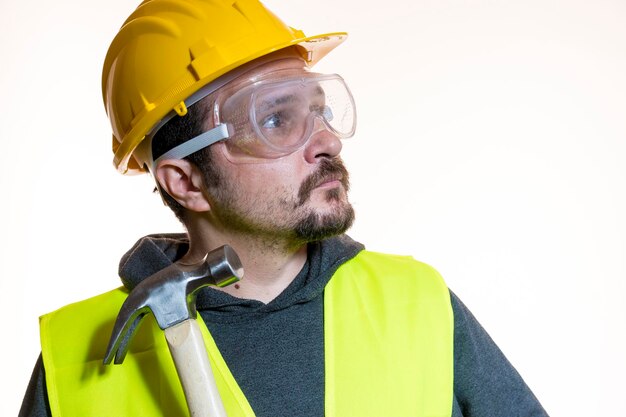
(194, 370)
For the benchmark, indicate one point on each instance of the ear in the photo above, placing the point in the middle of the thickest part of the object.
(183, 182)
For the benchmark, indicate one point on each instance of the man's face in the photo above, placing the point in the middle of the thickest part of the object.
(299, 197)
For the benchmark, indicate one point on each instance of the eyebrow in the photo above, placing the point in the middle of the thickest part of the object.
(268, 104)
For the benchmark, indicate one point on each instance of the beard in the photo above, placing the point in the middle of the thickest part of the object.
(315, 226)
(283, 216)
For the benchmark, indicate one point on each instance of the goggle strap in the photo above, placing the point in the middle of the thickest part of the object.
(201, 141)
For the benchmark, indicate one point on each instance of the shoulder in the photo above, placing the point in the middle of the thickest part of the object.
(391, 270)
(99, 305)
(395, 281)
(384, 262)
(80, 329)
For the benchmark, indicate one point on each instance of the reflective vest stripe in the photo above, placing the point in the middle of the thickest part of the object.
(388, 351)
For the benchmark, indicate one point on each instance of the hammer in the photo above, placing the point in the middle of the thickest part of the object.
(171, 296)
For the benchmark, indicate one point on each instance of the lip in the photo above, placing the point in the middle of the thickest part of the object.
(330, 182)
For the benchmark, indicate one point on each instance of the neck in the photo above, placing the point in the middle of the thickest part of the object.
(269, 265)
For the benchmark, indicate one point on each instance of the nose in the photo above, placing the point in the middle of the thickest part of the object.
(323, 143)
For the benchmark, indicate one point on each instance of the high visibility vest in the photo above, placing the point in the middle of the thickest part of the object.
(388, 330)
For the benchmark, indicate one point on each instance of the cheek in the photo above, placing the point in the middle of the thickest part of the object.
(279, 173)
(284, 175)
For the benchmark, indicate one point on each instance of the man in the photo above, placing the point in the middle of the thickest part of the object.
(218, 101)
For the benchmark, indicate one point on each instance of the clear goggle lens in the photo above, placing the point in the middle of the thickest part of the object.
(273, 118)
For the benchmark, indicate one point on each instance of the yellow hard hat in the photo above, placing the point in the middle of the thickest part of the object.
(168, 49)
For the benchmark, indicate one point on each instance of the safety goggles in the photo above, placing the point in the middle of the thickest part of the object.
(273, 117)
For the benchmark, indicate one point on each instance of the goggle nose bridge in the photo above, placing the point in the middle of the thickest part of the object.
(319, 119)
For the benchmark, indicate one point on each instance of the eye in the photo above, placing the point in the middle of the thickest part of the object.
(273, 121)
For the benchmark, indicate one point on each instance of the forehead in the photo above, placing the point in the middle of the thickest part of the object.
(268, 70)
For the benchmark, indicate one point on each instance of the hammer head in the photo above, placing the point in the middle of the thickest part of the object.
(170, 295)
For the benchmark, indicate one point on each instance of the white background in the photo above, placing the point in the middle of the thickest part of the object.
(490, 144)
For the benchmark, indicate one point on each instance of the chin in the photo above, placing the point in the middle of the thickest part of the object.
(318, 225)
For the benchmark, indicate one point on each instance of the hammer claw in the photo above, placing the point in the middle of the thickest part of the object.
(123, 331)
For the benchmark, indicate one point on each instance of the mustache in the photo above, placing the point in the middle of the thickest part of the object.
(329, 169)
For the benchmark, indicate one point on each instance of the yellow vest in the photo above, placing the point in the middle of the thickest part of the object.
(388, 330)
